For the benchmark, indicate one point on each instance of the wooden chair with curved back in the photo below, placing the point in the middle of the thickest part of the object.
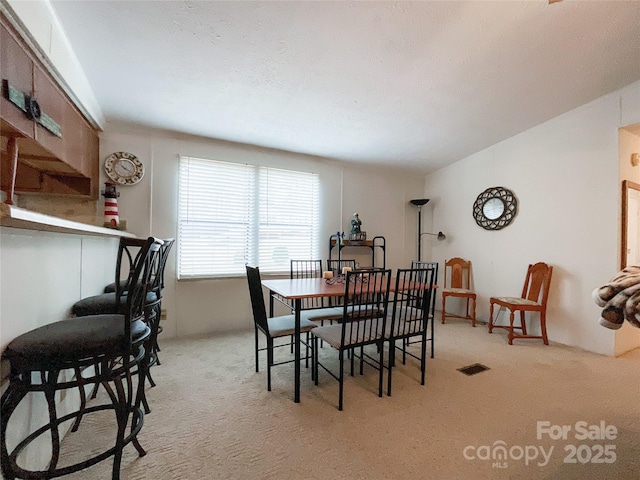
(533, 299)
(458, 285)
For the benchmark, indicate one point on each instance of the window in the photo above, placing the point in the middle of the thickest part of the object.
(231, 214)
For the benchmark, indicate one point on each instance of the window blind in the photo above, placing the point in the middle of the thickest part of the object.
(232, 214)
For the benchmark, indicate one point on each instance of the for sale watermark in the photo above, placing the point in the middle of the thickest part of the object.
(580, 442)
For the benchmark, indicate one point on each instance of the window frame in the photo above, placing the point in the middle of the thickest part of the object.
(256, 223)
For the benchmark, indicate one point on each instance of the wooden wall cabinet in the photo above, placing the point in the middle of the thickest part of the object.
(65, 164)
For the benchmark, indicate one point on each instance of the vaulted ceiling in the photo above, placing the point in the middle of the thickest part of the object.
(413, 84)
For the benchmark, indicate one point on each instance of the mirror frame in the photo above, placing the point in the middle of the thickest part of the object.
(626, 186)
(510, 208)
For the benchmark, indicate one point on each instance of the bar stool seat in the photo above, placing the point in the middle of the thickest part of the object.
(57, 344)
(105, 303)
(112, 286)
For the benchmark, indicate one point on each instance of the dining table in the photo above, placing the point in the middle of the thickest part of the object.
(296, 290)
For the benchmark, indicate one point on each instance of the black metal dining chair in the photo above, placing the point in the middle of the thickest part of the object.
(274, 327)
(314, 309)
(410, 315)
(361, 326)
(432, 309)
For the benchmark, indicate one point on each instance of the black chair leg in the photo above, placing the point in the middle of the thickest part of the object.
(269, 361)
(257, 351)
(315, 359)
(306, 353)
(49, 393)
(392, 353)
(381, 366)
(341, 380)
(423, 356)
(83, 400)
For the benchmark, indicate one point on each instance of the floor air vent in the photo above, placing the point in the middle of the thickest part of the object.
(473, 369)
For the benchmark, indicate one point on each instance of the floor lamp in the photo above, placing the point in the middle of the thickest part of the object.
(419, 202)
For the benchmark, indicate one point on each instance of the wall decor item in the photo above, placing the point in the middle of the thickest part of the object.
(111, 217)
(495, 208)
(31, 108)
(124, 168)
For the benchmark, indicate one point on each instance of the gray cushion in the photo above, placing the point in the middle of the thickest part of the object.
(365, 331)
(285, 325)
(317, 314)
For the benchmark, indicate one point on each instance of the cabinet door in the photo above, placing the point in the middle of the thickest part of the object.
(16, 68)
(54, 104)
(81, 150)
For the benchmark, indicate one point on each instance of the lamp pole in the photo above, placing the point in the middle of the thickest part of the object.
(419, 202)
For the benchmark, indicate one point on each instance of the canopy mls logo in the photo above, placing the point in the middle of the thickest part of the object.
(500, 453)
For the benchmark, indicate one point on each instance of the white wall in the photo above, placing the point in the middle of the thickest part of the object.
(627, 338)
(565, 174)
(380, 196)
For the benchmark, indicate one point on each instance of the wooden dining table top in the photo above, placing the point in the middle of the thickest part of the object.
(293, 288)
(299, 288)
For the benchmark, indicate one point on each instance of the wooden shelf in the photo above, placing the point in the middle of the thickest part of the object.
(16, 217)
(376, 243)
(354, 243)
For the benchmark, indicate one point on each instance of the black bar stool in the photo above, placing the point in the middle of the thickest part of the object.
(107, 303)
(102, 349)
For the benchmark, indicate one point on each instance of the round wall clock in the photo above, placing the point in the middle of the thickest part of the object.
(495, 208)
(124, 168)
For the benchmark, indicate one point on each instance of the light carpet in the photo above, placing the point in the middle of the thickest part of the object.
(213, 417)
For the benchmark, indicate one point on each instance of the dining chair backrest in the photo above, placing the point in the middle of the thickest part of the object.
(536, 285)
(336, 266)
(417, 264)
(412, 306)
(257, 299)
(308, 269)
(459, 273)
(366, 300)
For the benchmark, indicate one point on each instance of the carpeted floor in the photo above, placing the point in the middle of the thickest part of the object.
(213, 418)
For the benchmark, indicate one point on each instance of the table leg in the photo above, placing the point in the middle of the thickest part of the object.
(298, 307)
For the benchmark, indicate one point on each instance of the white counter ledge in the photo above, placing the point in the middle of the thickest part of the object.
(16, 217)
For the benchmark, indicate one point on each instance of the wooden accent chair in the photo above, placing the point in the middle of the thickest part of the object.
(533, 299)
(458, 286)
